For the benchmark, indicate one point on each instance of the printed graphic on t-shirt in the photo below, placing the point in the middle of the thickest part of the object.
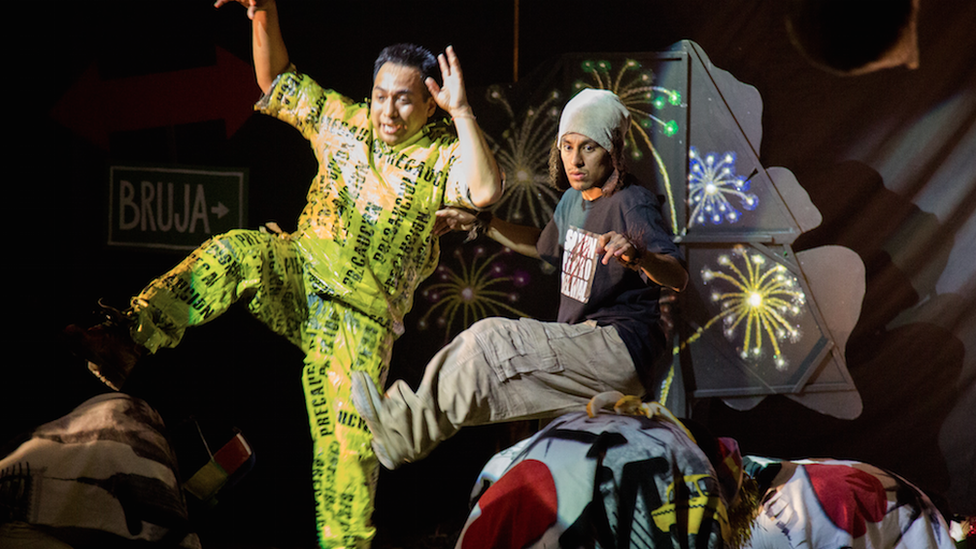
(579, 263)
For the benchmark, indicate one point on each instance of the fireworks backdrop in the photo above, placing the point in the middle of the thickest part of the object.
(883, 161)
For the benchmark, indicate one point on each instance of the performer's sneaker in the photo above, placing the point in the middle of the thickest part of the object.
(107, 345)
(369, 403)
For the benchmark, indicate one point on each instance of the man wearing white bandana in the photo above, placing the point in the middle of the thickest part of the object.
(615, 253)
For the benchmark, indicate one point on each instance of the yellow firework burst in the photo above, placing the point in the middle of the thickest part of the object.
(763, 295)
(634, 85)
(471, 292)
(523, 153)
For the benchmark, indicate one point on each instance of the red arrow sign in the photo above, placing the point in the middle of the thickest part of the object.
(95, 108)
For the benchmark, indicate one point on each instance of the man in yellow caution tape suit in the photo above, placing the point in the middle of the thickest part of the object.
(339, 286)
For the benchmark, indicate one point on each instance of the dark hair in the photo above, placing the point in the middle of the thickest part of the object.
(557, 173)
(408, 55)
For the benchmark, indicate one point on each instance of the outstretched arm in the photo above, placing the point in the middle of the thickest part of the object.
(520, 238)
(477, 164)
(661, 268)
(270, 54)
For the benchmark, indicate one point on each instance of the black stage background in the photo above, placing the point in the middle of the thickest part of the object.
(887, 157)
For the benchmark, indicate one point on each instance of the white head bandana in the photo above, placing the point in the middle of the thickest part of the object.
(597, 114)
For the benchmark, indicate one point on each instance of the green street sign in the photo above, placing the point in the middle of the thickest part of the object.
(174, 208)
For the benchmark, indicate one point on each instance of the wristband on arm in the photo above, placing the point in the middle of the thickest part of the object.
(482, 220)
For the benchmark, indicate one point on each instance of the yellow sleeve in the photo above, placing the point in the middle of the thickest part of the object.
(298, 100)
(457, 192)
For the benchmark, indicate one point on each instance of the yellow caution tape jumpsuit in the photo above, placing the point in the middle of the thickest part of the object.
(338, 287)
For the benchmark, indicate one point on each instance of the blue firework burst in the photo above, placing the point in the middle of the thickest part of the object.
(712, 181)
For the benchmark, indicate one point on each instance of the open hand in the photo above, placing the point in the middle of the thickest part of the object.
(452, 97)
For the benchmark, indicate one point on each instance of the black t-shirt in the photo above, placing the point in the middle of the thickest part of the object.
(609, 294)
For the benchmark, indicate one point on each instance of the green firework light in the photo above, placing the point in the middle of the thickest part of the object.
(634, 85)
(636, 93)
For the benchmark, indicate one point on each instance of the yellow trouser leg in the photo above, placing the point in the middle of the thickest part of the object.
(336, 339)
(239, 263)
(339, 340)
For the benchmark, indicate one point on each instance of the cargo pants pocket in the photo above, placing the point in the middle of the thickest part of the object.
(515, 347)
